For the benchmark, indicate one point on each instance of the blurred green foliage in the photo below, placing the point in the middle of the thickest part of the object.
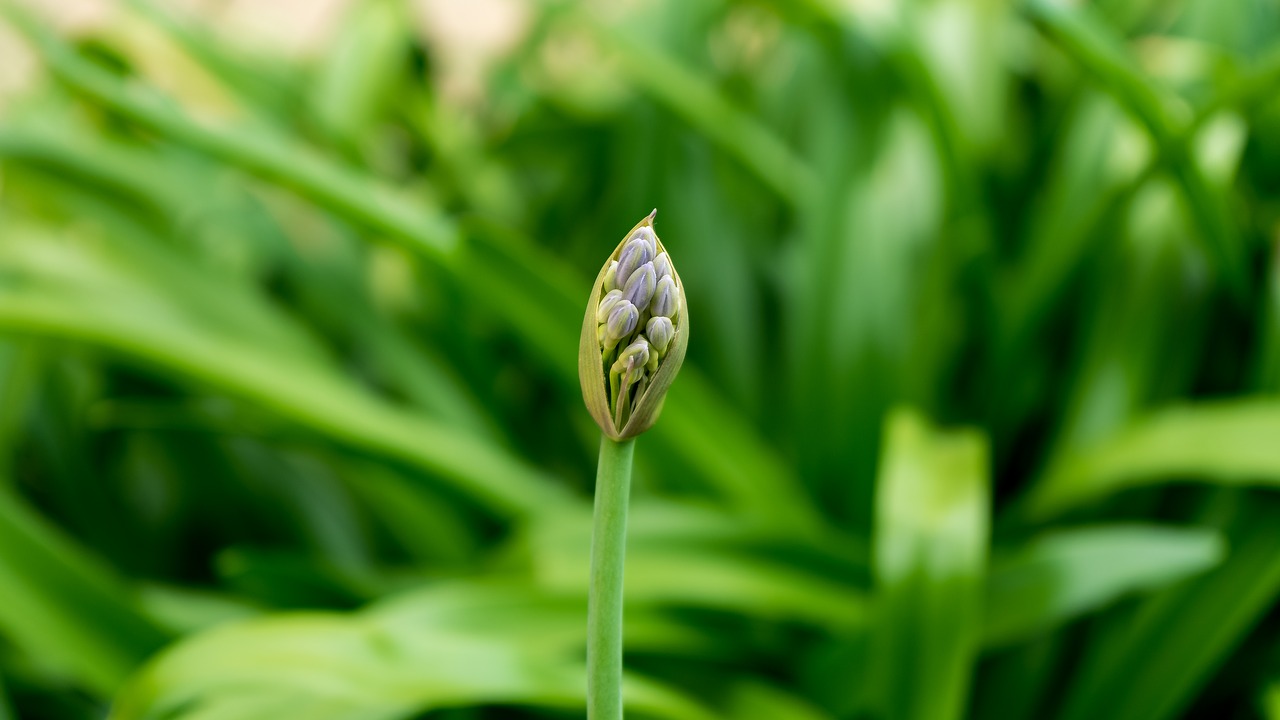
(979, 420)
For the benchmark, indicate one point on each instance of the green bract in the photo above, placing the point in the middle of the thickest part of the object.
(634, 334)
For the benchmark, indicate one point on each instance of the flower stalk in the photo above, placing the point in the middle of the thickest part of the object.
(604, 602)
(634, 336)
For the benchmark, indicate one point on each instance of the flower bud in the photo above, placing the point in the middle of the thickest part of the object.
(634, 254)
(649, 237)
(607, 304)
(662, 265)
(621, 323)
(660, 332)
(640, 286)
(611, 277)
(631, 361)
(626, 369)
(666, 299)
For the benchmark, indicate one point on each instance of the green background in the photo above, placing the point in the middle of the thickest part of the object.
(979, 418)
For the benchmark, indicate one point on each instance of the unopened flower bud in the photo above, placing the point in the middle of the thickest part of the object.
(634, 254)
(607, 304)
(666, 298)
(621, 323)
(649, 237)
(631, 361)
(611, 277)
(660, 332)
(640, 286)
(662, 265)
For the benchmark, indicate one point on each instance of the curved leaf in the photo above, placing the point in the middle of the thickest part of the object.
(930, 564)
(689, 557)
(1226, 443)
(1063, 575)
(433, 649)
(140, 301)
(64, 609)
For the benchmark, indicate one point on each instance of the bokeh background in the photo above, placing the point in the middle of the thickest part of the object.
(979, 418)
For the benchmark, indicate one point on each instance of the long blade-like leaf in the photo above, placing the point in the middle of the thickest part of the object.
(1229, 443)
(1065, 574)
(930, 568)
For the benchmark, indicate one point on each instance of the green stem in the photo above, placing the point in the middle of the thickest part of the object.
(604, 597)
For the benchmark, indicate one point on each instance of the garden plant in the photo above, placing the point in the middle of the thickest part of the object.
(975, 308)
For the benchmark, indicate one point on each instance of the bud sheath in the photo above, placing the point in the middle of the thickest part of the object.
(634, 334)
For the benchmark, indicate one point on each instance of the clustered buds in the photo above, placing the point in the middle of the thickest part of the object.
(633, 336)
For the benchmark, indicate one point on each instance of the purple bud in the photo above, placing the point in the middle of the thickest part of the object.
(640, 286)
(660, 332)
(649, 238)
(634, 254)
(607, 304)
(621, 323)
(662, 265)
(666, 298)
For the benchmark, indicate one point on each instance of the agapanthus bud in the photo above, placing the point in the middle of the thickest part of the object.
(607, 304)
(649, 237)
(666, 298)
(632, 360)
(662, 265)
(635, 253)
(611, 277)
(626, 369)
(640, 286)
(621, 323)
(660, 332)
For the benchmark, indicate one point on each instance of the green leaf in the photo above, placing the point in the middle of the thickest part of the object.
(429, 650)
(757, 701)
(261, 149)
(360, 72)
(1097, 164)
(64, 609)
(1227, 443)
(857, 310)
(184, 610)
(930, 558)
(145, 303)
(20, 368)
(1150, 663)
(6, 710)
(685, 557)
(733, 455)
(1065, 574)
(423, 522)
(694, 98)
(1079, 33)
(266, 84)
